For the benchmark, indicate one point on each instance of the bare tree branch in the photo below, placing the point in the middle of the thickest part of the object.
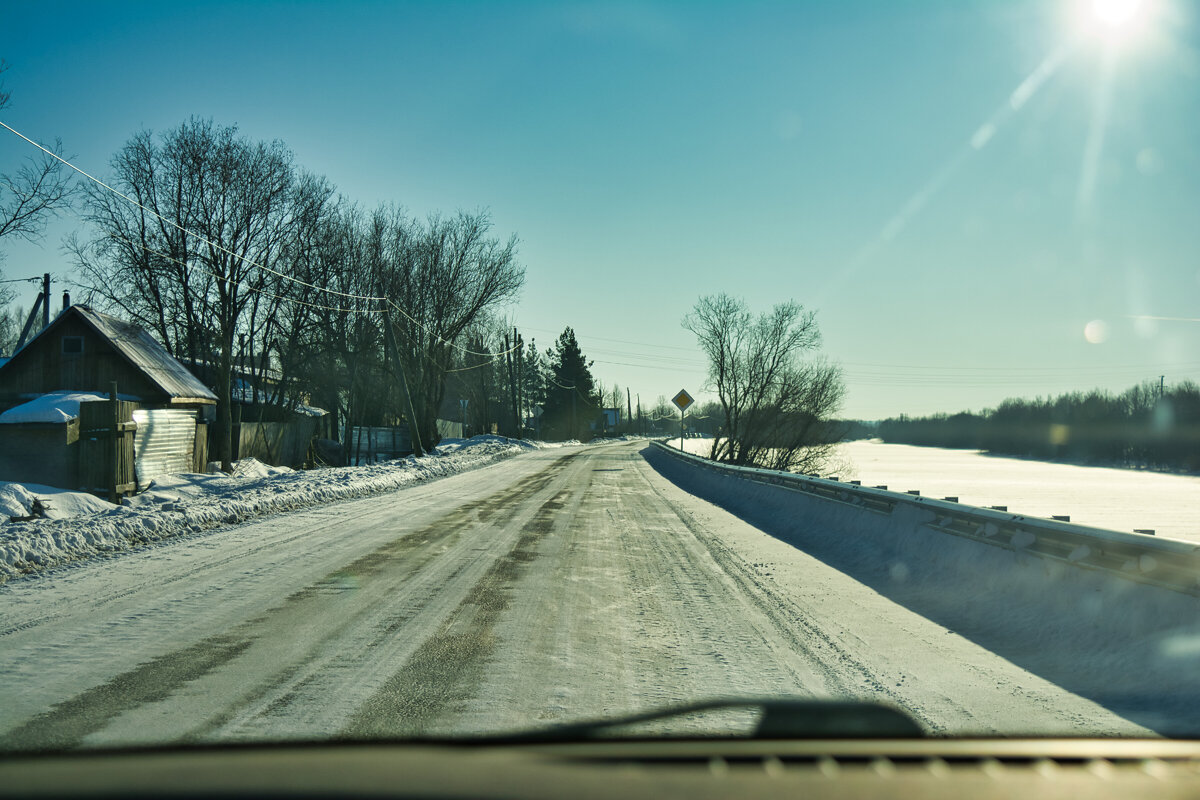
(39, 189)
(776, 406)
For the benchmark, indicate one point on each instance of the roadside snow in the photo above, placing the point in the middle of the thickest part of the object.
(1131, 647)
(80, 526)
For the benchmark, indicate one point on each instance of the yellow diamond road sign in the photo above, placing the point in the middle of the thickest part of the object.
(682, 400)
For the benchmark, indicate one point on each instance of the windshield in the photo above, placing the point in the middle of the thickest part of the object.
(384, 370)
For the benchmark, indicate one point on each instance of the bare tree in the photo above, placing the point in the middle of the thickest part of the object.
(11, 319)
(332, 342)
(39, 189)
(216, 222)
(776, 405)
(441, 276)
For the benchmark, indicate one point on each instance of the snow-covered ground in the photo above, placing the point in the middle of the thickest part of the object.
(80, 525)
(562, 586)
(1117, 499)
(1133, 648)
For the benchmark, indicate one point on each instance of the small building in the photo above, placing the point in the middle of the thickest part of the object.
(84, 350)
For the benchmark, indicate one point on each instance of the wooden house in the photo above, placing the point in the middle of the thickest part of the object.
(85, 350)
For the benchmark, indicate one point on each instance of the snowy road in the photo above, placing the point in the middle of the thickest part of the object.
(556, 585)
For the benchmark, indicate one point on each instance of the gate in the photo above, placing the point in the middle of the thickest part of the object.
(106, 462)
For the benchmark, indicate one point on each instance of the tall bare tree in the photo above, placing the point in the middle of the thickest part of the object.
(441, 276)
(332, 339)
(776, 403)
(39, 189)
(215, 223)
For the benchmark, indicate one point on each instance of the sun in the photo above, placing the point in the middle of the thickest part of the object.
(1114, 20)
(1116, 14)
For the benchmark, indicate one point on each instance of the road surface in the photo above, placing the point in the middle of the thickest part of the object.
(557, 585)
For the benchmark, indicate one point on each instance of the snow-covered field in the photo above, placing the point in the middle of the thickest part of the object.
(79, 525)
(1118, 499)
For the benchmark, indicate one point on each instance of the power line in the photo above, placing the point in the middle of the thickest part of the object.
(244, 259)
(179, 227)
(242, 284)
(620, 341)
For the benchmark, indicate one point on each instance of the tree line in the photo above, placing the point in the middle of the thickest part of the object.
(259, 275)
(278, 291)
(1148, 425)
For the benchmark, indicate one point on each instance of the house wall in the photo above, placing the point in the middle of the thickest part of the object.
(46, 453)
(43, 367)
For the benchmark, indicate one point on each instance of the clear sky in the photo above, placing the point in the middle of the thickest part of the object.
(958, 188)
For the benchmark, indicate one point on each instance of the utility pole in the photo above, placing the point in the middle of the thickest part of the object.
(628, 410)
(43, 303)
(413, 432)
(512, 380)
(1161, 379)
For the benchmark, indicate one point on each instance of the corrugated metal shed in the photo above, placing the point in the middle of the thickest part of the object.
(145, 353)
(163, 443)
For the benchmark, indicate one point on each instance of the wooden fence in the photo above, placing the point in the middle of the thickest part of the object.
(276, 443)
(106, 448)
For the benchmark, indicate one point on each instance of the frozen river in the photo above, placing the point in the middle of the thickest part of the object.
(1119, 499)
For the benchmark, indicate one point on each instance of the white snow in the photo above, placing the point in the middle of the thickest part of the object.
(1102, 497)
(1131, 647)
(641, 595)
(1105, 497)
(15, 500)
(52, 407)
(57, 503)
(80, 526)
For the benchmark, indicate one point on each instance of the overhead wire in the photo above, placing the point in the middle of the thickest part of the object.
(249, 261)
(179, 227)
(244, 286)
(619, 341)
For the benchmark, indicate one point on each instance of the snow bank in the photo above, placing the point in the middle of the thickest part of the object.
(57, 503)
(81, 526)
(15, 501)
(253, 468)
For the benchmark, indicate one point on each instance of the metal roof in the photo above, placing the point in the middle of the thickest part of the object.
(144, 352)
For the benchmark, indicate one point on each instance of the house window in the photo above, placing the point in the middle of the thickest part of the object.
(72, 345)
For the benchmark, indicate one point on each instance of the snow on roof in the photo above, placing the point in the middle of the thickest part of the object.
(53, 407)
(144, 352)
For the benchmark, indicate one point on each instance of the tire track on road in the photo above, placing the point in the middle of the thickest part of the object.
(71, 721)
(447, 669)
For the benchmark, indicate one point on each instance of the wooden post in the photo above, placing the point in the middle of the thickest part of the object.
(114, 438)
(46, 300)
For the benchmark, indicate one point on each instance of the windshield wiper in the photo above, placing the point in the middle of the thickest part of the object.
(781, 719)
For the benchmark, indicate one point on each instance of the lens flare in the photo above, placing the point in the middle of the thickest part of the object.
(1096, 331)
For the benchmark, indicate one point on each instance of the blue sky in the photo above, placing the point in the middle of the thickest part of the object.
(648, 153)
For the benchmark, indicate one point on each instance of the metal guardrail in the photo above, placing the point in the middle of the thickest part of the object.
(1168, 563)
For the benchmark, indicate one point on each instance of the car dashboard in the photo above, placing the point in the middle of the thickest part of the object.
(628, 769)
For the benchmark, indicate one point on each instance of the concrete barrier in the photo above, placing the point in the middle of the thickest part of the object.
(1145, 558)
